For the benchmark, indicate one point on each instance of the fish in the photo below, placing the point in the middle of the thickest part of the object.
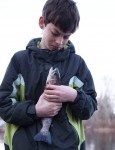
(44, 135)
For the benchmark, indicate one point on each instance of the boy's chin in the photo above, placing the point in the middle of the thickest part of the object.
(54, 48)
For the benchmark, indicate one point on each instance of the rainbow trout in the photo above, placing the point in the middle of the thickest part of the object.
(44, 134)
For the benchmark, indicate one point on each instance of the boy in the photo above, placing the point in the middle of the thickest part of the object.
(23, 99)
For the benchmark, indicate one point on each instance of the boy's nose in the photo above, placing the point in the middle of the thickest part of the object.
(59, 40)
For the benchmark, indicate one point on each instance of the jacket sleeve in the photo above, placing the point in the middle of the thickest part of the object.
(15, 109)
(85, 103)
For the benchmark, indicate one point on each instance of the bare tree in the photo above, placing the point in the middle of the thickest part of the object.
(104, 117)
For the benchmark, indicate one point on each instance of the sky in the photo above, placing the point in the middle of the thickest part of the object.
(94, 40)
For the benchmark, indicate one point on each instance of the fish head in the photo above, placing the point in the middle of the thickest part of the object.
(53, 76)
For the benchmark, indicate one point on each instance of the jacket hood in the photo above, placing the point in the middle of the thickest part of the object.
(48, 55)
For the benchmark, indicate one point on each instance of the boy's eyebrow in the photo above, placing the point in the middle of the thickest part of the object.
(56, 30)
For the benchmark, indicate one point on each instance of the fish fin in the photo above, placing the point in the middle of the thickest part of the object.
(43, 137)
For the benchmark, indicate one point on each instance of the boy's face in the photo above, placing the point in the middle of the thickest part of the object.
(53, 38)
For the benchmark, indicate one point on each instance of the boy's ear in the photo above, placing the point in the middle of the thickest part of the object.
(41, 22)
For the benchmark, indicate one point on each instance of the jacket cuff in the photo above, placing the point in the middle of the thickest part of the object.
(32, 112)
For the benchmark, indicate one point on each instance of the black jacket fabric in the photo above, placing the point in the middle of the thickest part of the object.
(22, 86)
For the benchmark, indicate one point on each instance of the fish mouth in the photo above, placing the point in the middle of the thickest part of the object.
(55, 71)
(54, 76)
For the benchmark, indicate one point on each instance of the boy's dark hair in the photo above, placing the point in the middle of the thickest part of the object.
(62, 13)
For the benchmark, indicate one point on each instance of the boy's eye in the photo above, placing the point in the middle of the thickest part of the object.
(55, 34)
(66, 37)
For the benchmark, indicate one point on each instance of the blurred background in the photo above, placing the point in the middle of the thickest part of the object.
(94, 41)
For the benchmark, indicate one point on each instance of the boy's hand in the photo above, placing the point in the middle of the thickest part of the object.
(59, 93)
(45, 108)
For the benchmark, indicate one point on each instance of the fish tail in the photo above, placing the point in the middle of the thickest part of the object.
(43, 137)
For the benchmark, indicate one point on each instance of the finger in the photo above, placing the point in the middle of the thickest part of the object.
(51, 92)
(50, 87)
(56, 110)
(51, 98)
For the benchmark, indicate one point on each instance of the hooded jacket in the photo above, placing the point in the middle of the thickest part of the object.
(22, 86)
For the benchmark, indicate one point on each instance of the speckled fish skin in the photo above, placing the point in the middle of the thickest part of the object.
(44, 134)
